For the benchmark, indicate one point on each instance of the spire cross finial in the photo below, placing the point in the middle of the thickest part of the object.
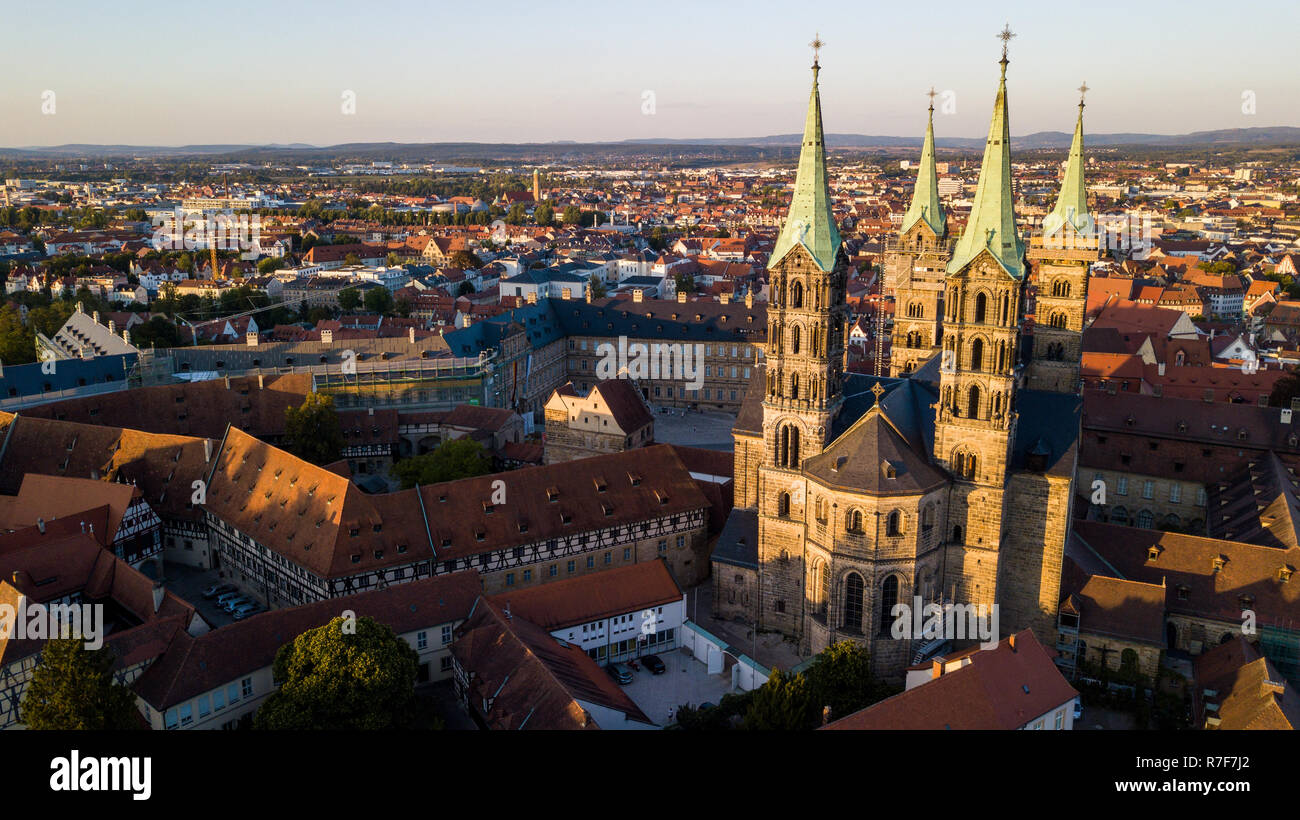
(816, 46)
(877, 390)
(1083, 89)
(931, 94)
(1005, 36)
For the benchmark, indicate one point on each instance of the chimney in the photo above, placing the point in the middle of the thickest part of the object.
(1286, 415)
(936, 669)
(1011, 641)
(157, 595)
(126, 336)
(81, 307)
(250, 338)
(410, 334)
(636, 295)
(112, 327)
(227, 382)
(327, 337)
(681, 297)
(40, 525)
(826, 714)
(588, 295)
(207, 450)
(749, 298)
(95, 316)
(261, 381)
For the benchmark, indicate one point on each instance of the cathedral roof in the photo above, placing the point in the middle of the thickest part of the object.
(925, 196)
(810, 222)
(874, 456)
(992, 222)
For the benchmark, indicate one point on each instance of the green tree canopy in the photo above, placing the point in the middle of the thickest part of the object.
(313, 429)
(840, 678)
(349, 298)
(347, 674)
(544, 214)
(597, 287)
(72, 688)
(459, 458)
(465, 260)
(379, 300)
(783, 703)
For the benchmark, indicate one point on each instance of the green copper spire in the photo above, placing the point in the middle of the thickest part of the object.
(925, 197)
(810, 221)
(1072, 205)
(992, 222)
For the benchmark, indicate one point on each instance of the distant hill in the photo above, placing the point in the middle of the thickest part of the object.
(1272, 135)
(729, 148)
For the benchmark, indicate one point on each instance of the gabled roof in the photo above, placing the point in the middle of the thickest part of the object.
(1002, 688)
(1247, 688)
(872, 456)
(574, 601)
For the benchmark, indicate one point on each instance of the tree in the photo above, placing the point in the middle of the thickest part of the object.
(351, 259)
(543, 215)
(347, 674)
(783, 703)
(465, 289)
(840, 677)
(459, 458)
(597, 287)
(379, 300)
(313, 429)
(72, 688)
(404, 306)
(572, 215)
(349, 298)
(269, 264)
(465, 260)
(1284, 390)
(17, 342)
(157, 332)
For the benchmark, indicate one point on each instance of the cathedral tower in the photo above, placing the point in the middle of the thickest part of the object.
(914, 268)
(806, 338)
(1062, 256)
(975, 419)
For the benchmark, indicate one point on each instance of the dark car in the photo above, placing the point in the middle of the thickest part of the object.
(619, 672)
(217, 589)
(655, 665)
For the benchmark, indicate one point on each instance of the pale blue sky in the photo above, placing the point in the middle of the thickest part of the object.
(256, 72)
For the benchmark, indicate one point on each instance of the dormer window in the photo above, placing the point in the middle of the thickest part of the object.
(488, 509)
(1284, 573)
(552, 494)
(888, 469)
(1219, 563)
(601, 486)
(608, 509)
(1153, 552)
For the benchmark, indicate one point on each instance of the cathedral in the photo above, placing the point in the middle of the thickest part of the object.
(952, 479)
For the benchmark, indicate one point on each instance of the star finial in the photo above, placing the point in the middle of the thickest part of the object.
(931, 94)
(1083, 89)
(816, 46)
(1005, 36)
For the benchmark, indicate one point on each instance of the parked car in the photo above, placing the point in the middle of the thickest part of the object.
(1078, 709)
(217, 589)
(619, 672)
(233, 603)
(226, 596)
(654, 664)
(244, 610)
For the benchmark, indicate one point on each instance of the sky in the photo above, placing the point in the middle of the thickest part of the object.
(178, 73)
